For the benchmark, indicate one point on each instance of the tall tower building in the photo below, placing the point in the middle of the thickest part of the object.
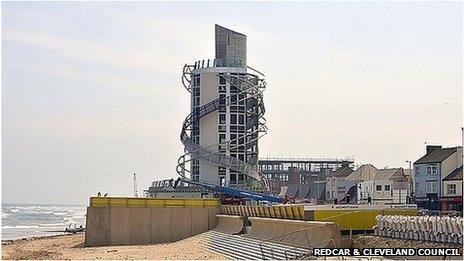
(221, 133)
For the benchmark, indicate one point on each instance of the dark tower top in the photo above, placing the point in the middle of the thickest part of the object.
(230, 47)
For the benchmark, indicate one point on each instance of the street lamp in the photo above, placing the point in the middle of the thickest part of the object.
(411, 179)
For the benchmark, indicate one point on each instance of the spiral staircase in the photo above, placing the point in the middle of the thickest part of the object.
(250, 91)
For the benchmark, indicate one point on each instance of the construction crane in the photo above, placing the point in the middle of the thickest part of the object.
(136, 194)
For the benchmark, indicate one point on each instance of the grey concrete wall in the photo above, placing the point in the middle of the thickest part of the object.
(160, 225)
(120, 226)
(181, 223)
(212, 220)
(140, 220)
(133, 226)
(198, 220)
(230, 44)
(97, 230)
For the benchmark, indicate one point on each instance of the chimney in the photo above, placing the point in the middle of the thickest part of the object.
(430, 148)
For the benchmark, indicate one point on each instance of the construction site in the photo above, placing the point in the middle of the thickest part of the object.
(242, 206)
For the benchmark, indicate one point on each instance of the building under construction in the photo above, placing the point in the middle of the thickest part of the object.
(301, 177)
(220, 135)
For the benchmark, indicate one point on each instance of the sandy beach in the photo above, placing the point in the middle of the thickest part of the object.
(72, 247)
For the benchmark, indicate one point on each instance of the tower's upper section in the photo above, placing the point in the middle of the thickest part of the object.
(230, 47)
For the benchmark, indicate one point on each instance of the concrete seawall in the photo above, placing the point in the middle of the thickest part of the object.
(230, 224)
(296, 232)
(143, 225)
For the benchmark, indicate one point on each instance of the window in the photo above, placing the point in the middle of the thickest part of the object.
(233, 138)
(241, 119)
(417, 170)
(451, 189)
(222, 137)
(416, 188)
(222, 80)
(196, 101)
(431, 187)
(378, 187)
(241, 157)
(222, 98)
(432, 169)
(233, 119)
(197, 81)
(387, 187)
(222, 118)
(222, 128)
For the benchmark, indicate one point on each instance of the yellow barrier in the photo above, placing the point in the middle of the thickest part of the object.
(152, 202)
(289, 212)
(360, 218)
(254, 212)
(357, 219)
(271, 211)
(282, 211)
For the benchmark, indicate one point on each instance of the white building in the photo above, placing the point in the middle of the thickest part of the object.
(452, 191)
(221, 133)
(380, 186)
(337, 186)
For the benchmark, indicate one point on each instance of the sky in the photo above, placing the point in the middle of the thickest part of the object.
(91, 91)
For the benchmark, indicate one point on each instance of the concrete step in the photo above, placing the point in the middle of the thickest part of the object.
(253, 244)
(222, 234)
(257, 241)
(278, 250)
(235, 251)
(240, 247)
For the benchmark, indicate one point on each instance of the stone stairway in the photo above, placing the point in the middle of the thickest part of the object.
(240, 247)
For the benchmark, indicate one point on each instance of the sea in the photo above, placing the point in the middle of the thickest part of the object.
(35, 220)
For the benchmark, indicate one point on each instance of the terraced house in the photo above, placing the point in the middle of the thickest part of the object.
(436, 174)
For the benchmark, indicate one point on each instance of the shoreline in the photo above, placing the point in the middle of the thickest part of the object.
(11, 241)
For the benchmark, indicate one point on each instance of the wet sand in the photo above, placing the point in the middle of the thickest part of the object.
(72, 247)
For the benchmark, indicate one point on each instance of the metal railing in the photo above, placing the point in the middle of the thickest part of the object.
(208, 63)
(307, 159)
